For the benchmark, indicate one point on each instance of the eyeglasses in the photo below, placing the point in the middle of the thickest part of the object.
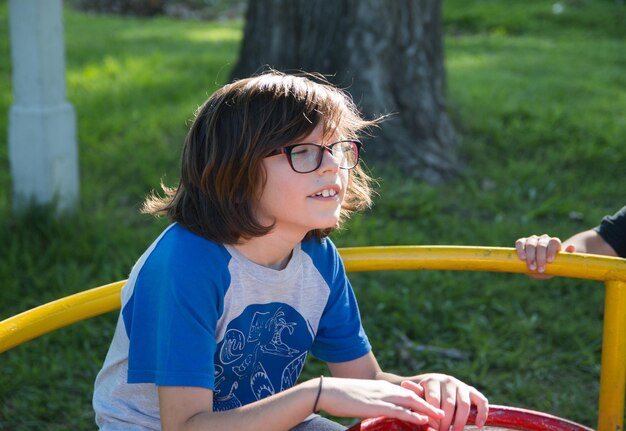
(305, 158)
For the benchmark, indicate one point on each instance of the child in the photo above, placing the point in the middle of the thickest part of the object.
(608, 239)
(219, 313)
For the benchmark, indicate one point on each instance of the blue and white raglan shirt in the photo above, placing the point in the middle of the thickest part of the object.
(197, 313)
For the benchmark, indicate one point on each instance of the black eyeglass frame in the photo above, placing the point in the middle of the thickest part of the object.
(287, 149)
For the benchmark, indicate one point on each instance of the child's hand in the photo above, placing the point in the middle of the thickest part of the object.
(371, 398)
(537, 251)
(452, 396)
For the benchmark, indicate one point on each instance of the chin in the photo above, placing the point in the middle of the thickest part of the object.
(330, 225)
(329, 222)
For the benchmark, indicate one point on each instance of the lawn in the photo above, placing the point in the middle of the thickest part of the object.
(539, 101)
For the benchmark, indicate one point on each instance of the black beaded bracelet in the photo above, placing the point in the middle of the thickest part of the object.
(319, 392)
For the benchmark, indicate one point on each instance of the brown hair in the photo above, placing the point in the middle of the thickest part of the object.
(221, 168)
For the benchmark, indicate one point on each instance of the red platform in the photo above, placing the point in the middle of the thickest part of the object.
(500, 418)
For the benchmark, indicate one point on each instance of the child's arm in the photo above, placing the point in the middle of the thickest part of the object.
(589, 241)
(439, 390)
(190, 408)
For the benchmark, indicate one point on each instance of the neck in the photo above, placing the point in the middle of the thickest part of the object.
(271, 250)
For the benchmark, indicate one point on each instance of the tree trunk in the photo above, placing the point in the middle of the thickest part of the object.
(387, 54)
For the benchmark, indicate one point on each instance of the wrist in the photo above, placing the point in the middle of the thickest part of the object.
(320, 388)
(391, 378)
(310, 389)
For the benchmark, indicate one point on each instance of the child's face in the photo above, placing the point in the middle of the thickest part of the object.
(291, 200)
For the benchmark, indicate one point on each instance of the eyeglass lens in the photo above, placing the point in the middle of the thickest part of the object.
(308, 157)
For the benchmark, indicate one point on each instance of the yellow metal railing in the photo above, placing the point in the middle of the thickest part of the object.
(70, 309)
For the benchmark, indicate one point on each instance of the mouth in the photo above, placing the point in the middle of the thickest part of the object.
(325, 193)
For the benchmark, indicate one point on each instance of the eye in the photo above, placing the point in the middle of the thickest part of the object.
(303, 150)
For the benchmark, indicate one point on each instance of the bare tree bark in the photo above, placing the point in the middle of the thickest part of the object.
(387, 54)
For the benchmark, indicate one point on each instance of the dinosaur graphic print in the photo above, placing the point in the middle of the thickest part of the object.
(263, 351)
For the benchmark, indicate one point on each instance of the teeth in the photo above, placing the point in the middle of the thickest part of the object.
(326, 193)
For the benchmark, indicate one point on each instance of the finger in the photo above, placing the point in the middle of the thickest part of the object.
(415, 387)
(570, 248)
(432, 395)
(531, 247)
(520, 248)
(482, 406)
(419, 405)
(541, 252)
(405, 414)
(448, 403)
(554, 246)
(462, 409)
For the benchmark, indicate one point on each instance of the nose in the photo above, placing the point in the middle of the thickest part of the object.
(329, 161)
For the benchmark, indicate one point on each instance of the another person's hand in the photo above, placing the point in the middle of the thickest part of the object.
(453, 397)
(538, 251)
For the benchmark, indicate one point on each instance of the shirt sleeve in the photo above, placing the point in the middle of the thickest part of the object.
(171, 318)
(340, 336)
(613, 230)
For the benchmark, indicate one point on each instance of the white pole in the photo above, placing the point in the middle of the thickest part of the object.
(42, 123)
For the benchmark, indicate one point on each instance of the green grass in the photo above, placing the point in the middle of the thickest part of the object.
(539, 102)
